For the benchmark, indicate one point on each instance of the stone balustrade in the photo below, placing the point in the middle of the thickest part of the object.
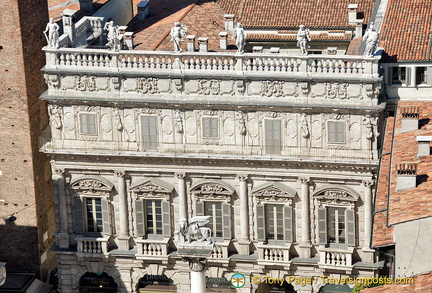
(86, 27)
(152, 248)
(217, 63)
(332, 258)
(92, 245)
(220, 251)
(269, 254)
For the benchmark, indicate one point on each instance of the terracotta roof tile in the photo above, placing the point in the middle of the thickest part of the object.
(405, 34)
(314, 37)
(292, 13)
(422, 284)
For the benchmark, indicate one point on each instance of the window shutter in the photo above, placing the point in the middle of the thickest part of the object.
(79, 217)
(350, 222)
(106, 216)
(83, 124)
(206, 127)
(214, 127)
(199, 209)
(288, 233)
(408, 76)
(322, 225)
(277, 136)
(139, 217)
(153, 133)
(91, 124)
(340, 132)
(429, 75)
(226, 220)
(166, 218)
(331, 131)
(260, 223)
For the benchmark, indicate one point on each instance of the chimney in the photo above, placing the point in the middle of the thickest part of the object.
(128, 40)
(203, 44)
(423, 146)
(257, 49)
(406, 176)
(410, 118)
(86, 5)
(229, 22)
(352, 13)
(358, 28)
(274, 50)
(143, 9)
(68, 26)
(190, 39)
(223, 42)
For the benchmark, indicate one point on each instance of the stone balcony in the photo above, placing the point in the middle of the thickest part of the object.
(152, 249)
(271, 255)
(336, 259)
(220, 252)
(92, 246)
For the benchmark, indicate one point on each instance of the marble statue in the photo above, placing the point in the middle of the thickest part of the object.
(371, 38)
(112, 35)
(303, 38)
(53, 35)
(195, 230)
(178, 31)
(240, 37)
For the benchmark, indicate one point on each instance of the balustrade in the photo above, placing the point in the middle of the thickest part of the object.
(92, 245)
(269, 254)
(220, 251)
(332, 258)
(152, 249)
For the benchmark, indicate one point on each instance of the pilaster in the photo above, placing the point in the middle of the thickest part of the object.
(305, 244)
(123, 239)
(244, 242)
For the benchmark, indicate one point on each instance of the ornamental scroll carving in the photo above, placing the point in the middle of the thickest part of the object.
(147, 85)
(335, 196)
(52, 80)
(337, 90)
(85, 83)
(273, 192)
(209, 87)
(272, 88)
(152, 188)
(92, 185)
(212, 190)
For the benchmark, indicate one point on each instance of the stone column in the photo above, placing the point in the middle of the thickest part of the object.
(182, 195)
(63, 236)
(367, 211)
(305, 243)
(197, 276)
(244, 241)
(123, 208)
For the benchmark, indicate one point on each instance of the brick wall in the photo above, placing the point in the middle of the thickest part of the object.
(25, 183)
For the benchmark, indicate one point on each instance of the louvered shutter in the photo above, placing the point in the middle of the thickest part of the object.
(199, 209)
(322, 225)
(350, 223)
(139, 217)
(79, 216)
(166, 218)
(91, 124)
(153, 133)
(106, 216)
(226, 220)
(288, 233)
(260, 223)
(83, 124)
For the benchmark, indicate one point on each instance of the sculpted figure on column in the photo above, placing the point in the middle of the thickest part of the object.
(371, 38)
(302, 39)
(240, 37)
(53, 35)
(177, 33)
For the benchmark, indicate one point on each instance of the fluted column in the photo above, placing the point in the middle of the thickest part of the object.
(305, 220)
(123, 206)
(182, 195)
(367, 211)
(59, 178)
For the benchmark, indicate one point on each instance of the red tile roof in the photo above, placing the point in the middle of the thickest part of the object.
(422, 284)
(405, 34)
(292, 13)
(281, 37)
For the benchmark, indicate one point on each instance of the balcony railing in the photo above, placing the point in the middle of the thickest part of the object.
(220, 251)
(332, 258)
(273, 254)
(152, 248)
(92, 245)
(322, 65)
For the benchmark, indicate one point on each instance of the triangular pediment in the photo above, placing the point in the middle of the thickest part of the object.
(273, 190)
(212, 187)
(152, 186)
(92, 183)
(336, 192)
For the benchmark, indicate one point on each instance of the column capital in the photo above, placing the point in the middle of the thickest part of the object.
(368, 183)
(304, 180)
(196, 264)
(59, 171)
(242, 177)
(180, 175)
(119, 173)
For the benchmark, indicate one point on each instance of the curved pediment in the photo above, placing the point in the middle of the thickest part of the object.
(212, 187)
(273, 190)
(336, 192)
(92, 183)
(152, 186)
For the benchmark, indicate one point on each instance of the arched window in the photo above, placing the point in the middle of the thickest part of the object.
(102, 283)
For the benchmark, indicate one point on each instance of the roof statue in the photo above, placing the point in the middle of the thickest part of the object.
(112, 35)
(195, 230)
(178, 31)
(302, 39)
(371, 37)
(53, 35)
(240, 37)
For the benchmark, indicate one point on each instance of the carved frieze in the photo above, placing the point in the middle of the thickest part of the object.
(335, 195)
(55, 116)
(211, 189)
(152, 188)
(85, 83)
(52, 80)
(273, 192)
(209, 87)
(337, 90)
(271, 88)
(305, 88)
(147, 85)
(91, 184)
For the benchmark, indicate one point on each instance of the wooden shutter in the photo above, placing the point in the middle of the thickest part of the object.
(340, 132)
(149, 132)
(106, 216)
(260, 223)
(139, 217)
(199, 209)
(226, 220)
(166, 218)
(273, 136)
(288, 233)
(83, 124)
(91, 124)
(350, 227)
(79, 216)
(214, 127)
(322, 225)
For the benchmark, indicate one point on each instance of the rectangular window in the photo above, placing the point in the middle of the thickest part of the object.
(274, 222)
(149, 132)
(214, 209)
(93, 214)
(210, 127)
(88, 124)
(399, 75)
(273, 136)
(421, 76)
(153, 213)
(336, 132)
(336, 225)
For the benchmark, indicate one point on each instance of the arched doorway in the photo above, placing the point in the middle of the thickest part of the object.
(156, 283)
(101, 283)
(267, 288)
(332, 288)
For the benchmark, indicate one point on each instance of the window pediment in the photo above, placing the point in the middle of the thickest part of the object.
(152, 187)
(273, 191)
(212, 189)
(92, 184)
(336, 193)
